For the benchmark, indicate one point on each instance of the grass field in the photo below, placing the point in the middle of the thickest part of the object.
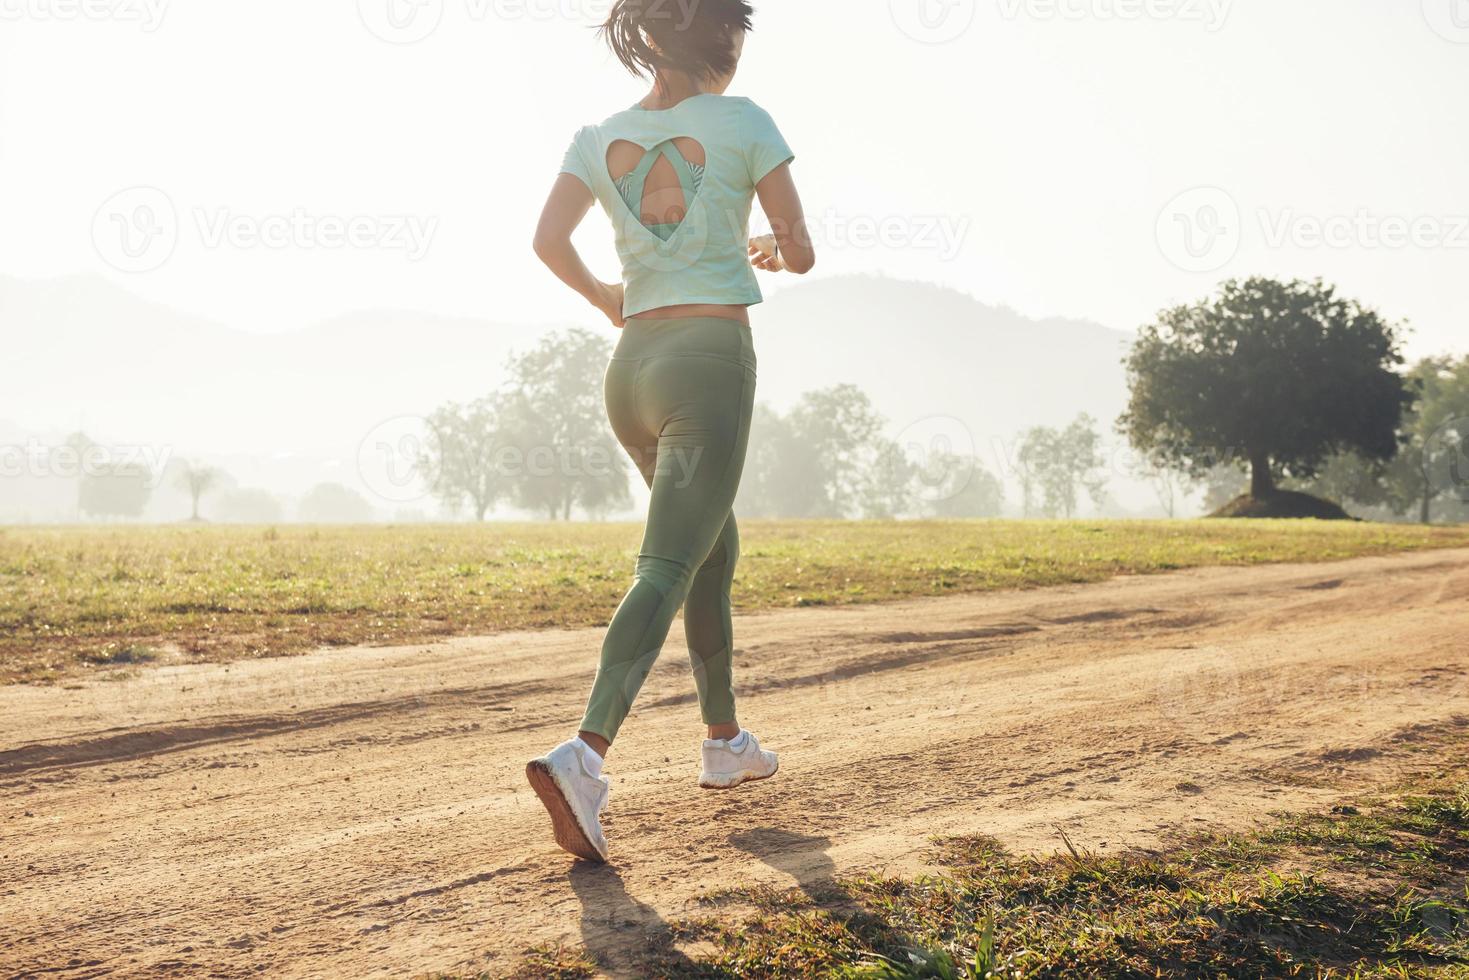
(87, 599)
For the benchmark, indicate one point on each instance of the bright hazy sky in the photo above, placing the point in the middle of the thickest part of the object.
(1030, 152)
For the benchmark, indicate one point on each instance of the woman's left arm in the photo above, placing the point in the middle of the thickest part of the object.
(568, 204)
(788, 247)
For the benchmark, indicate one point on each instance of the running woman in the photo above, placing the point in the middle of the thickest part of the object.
(677, 174)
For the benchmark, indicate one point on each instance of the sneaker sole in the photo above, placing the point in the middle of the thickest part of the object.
(569, 835)
(745, 777)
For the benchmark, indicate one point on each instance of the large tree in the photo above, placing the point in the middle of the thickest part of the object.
(1434, 463)
(827, 457)
(332, 503)
(554, 422)
(965, 488)
(1277, 375)
(196, 480)
(1057, 465)
(842, 432)
(462, 455)
(116, 490)
(781, 474)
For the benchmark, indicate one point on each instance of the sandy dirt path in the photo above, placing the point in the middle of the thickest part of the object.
(363, 812)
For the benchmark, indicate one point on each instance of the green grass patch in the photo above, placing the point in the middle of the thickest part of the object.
(68, 596)
(1372, 890)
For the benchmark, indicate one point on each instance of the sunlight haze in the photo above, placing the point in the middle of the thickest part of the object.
(1026, 161)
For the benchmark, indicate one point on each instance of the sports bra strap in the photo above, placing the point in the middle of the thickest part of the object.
(633, 192)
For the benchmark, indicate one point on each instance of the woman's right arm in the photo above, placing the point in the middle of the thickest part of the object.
(568, 204)
(782, 206)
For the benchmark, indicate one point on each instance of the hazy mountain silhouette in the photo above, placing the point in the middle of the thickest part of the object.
(82, 352)
(920, 350)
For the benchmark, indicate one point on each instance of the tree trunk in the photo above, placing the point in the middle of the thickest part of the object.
(1262, 481)
(1427, 509)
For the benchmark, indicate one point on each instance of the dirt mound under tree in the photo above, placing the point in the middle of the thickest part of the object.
(1283, 504)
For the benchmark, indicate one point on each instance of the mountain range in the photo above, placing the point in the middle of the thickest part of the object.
(287, 410)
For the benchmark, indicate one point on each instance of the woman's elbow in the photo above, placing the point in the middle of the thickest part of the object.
(800, 262)
(549, 243)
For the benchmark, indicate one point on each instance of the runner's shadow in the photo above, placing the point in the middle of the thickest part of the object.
(801, 856)
(625, 936)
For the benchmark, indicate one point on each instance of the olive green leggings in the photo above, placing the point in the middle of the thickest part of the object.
(680, 394)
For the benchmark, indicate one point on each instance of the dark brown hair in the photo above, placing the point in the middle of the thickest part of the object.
(691, 36)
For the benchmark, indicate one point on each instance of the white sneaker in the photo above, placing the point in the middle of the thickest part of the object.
(726, 767)
(573, 797)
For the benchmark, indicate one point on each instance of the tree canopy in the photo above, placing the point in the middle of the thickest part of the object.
(1278, 375)
(542, 442)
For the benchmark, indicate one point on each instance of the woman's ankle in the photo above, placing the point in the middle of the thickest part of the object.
(726, 731)
(598, 744)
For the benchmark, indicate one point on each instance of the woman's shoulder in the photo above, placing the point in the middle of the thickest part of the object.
(744, 106)
(607, 123)
(707, 103)
(736, 114)
(754, 120)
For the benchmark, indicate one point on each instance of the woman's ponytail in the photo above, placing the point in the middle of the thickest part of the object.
(692, 36)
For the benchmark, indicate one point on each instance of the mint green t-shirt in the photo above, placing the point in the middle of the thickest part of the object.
(703, 259)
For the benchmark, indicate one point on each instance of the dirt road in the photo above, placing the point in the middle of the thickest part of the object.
(363, 812)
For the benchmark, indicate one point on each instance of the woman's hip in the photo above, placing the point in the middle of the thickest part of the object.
(715, 337)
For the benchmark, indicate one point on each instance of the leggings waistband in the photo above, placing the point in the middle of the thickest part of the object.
(707, 335)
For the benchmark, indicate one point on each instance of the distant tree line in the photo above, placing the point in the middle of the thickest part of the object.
(830, 457)
(1264, 390)
(542, 443)
(108, 490)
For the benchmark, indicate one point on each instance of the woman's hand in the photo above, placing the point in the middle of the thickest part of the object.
(609, 301)
(765, 254)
